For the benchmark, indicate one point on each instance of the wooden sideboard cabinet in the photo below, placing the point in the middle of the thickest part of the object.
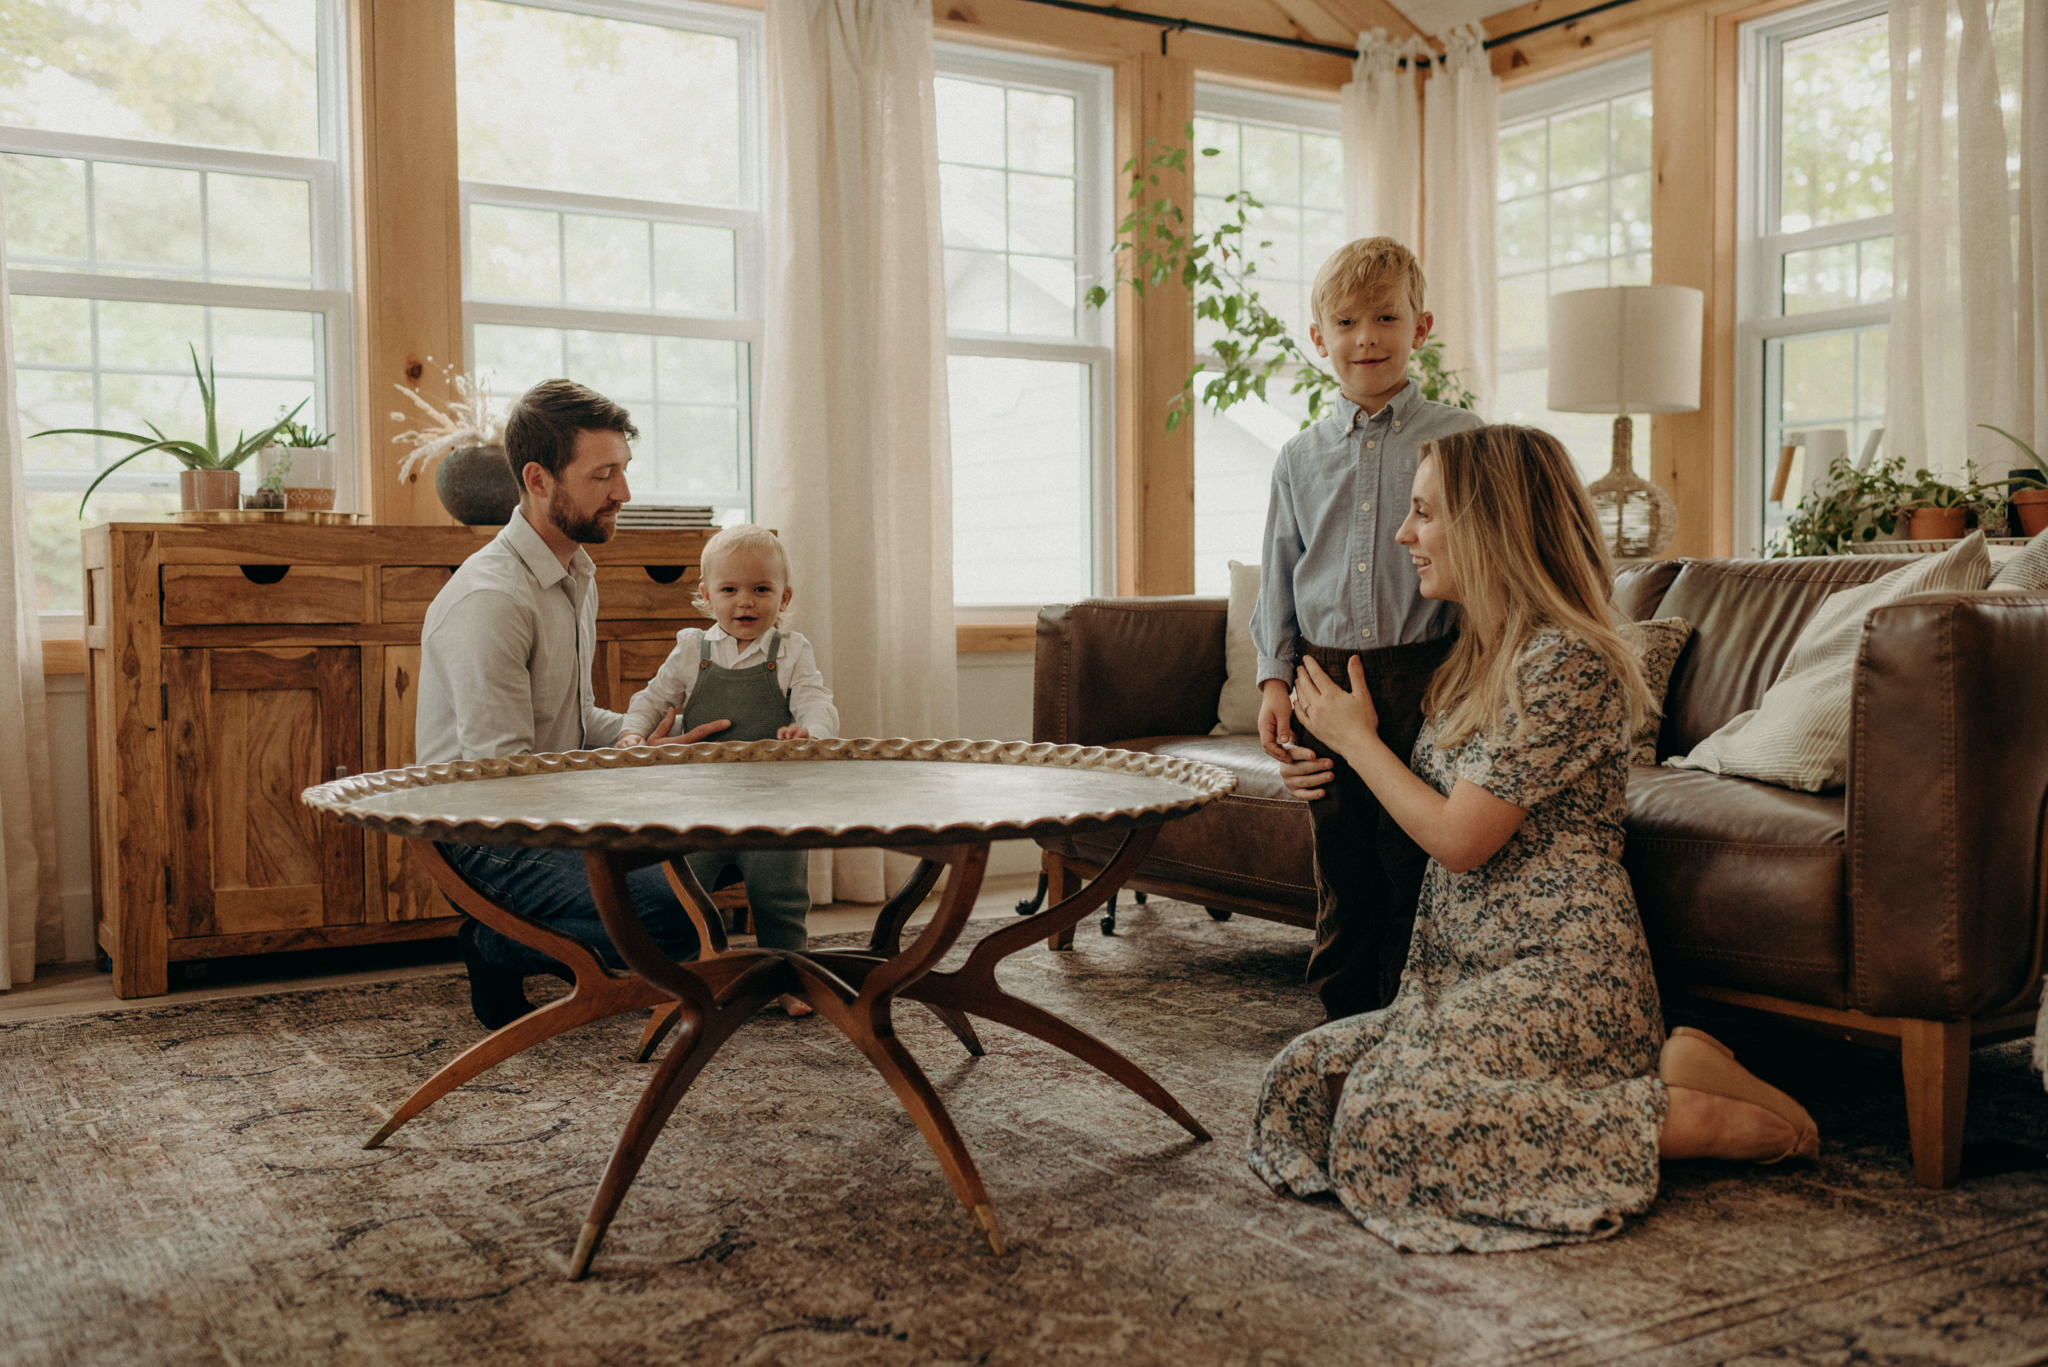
(229, 666)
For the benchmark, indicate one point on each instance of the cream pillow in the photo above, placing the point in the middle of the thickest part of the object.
(1237, 708)
(1657, 644)
(1797, 735)
(2025, 570)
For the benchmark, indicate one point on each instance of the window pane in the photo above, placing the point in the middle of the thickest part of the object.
(216, 75)
(53, 527)
(1823, 380)
(973, 207)
(1041, 132)
(146, 220)
(259, 230)
(597, 106)
(607, 262)
(1834, 137)
(696, 269)
(515, 254)
(1522, 160)
(1234, 455)
(1021, 491)
(46, 216)
(688, 396)
(1578, 146)
(972, 122)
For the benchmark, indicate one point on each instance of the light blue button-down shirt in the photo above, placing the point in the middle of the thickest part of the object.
(1331, 572)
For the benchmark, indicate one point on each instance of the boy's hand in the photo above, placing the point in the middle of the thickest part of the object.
(792, 733)
(1276, 719)
(627, 740)
(660, 734)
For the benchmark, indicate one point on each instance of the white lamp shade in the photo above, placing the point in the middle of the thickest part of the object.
(1626, 349)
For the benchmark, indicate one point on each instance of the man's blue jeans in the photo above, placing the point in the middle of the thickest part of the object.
(553, 887)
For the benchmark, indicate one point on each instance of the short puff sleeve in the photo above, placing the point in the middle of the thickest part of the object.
(1572, 713)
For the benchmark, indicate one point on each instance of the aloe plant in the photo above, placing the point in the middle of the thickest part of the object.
(193, 455)
(2042, 482)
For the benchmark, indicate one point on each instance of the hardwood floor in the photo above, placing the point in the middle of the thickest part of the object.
(81, 989)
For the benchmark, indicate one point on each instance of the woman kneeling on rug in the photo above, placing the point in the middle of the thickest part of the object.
(1513, 1094)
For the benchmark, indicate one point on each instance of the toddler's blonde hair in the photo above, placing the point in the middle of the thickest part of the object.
(1363, 272)
(743, 536)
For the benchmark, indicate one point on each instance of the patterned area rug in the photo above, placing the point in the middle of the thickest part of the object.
(186, 1185)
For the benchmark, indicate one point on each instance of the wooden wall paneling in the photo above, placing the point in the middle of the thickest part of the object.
(1020, 26)
(408, 232)
(1155, 344)
(1690, 453)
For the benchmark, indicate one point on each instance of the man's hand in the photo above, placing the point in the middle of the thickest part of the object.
(660, 734)
(792, 733)
(628, 739)
(1306, 774)
(1276, 719)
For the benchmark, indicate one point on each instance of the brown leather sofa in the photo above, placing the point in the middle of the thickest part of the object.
(1905, 910)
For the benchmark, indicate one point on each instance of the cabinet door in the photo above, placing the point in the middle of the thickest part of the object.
(408, 894)
(249, 730)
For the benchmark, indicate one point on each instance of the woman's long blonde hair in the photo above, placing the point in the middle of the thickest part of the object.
(1526, 554)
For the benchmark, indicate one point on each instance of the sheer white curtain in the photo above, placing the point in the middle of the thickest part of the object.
(28, 824)
(1460, 160)
(1967, 343)
(855, 466)
(1381, 126)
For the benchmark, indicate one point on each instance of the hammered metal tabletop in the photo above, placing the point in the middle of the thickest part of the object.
(759, 794)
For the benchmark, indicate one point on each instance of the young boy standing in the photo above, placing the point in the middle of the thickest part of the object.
(1334, 585)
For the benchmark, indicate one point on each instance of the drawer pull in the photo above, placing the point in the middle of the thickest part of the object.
(265, 574)
(664, 574)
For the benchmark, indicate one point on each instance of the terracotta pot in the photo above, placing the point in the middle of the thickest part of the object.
(476, 486)
(2030, 506)
(1936, 524)
(203, 489)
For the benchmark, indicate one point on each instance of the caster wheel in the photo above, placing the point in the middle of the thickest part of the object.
(1218, 913)
(1109, 925)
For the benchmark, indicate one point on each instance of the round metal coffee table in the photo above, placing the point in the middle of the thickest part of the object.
(943, 801)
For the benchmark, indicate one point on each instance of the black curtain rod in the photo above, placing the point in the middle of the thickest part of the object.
(1168, 24)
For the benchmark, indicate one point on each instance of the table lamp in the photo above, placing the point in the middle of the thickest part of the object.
(1626, 349)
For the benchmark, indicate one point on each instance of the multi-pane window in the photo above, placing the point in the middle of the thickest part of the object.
(1287, 155)
(1572, 212)
(610, 215)
(170, 174)
(1022, 173)
(1815, 252)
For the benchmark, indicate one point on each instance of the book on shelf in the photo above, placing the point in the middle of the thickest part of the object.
(663, 515)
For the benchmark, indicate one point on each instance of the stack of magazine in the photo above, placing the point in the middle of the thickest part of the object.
(664, 515)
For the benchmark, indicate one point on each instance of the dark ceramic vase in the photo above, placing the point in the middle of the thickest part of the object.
(476, 486)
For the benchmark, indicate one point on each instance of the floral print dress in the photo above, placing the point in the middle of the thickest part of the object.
(1507, 1097)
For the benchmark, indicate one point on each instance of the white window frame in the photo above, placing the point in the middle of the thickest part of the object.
(1564, 95)
(1760, 254)
(1093, 344)
(329, 181)
(744, 324)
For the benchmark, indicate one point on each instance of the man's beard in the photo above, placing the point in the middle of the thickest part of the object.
(591, 530)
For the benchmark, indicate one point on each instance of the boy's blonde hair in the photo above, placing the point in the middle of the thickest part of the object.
(744, 536)
(1362, 272)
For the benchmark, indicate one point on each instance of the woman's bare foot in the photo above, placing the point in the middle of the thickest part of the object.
(793, 1005)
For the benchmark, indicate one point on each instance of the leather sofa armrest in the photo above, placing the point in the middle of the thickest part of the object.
(1948, 804)
(1115, 669)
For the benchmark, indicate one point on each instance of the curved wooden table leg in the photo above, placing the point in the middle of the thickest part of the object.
(586, 1002)
(659, 1023)
(699, 1037)
(595, 992)
(914, 1090)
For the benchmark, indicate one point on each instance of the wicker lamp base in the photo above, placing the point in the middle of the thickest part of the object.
(1637, 519)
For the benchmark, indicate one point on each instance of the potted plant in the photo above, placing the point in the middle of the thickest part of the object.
(212, 476)
(1154, 247)
(296, 469)
(1846, 506)
(464, 441)
(2029, 493)
(1937, 509)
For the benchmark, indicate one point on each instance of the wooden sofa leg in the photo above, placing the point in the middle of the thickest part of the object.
(1935, 1057)
(1060, 884)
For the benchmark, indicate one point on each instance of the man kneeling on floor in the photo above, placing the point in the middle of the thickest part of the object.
(505, 661)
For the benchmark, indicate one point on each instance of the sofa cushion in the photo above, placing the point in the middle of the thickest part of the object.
(1745, 615)
(1252, 846)
(1237, 709)
(1798, 733)
(1657, 645)
(1741, 884)
(2025, 571)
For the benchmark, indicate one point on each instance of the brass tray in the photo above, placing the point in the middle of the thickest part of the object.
(302, 516)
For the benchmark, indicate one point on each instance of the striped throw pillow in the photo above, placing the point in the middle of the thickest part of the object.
(1797, 736)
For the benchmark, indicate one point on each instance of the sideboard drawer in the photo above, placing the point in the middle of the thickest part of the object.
(406, 591)
(645, 591)
(207, 595)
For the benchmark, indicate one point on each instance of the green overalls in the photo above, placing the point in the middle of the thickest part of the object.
(778, 881)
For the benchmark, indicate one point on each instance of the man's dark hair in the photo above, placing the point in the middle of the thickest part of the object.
(542, 426)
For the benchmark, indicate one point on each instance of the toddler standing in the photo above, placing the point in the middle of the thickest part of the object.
(746, 670)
